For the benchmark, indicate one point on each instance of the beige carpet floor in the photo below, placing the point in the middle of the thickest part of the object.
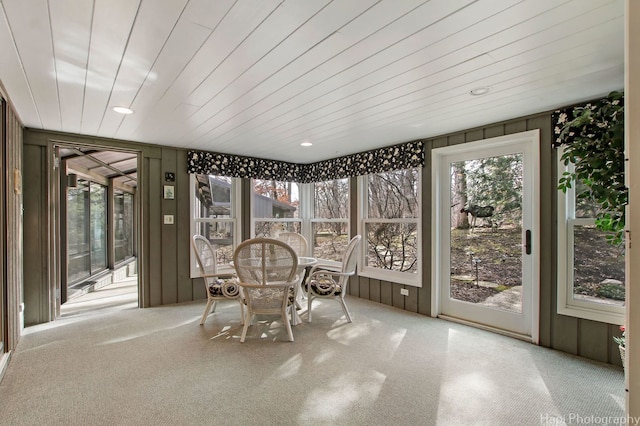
(110, 363)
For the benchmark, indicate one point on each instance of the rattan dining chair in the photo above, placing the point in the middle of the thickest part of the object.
(267, 270)
(330, 282)
(296, 240)
(218, 286)
(299, 244)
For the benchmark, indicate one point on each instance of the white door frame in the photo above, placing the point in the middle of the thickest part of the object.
(532, 141)
(54, 214)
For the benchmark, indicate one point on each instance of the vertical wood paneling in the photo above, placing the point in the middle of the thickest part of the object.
(16, 256)
(35, 219)
(437, 143)
(411, 301)
(169, 245)
(474, 135)
(154, 221)
(592, 335)
(375, 290)
(169, 264)
(386, 293)
(493, 131)
(515, 127)
(353, 287)
(548, 227)
(455, 139)
(14, 203)
(11, 234)
(564, 334)
(144, 247)
(183, 237)
(363, 288)
(397, 300)
(245, 216)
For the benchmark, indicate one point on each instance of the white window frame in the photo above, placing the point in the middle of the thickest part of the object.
(313, 219)
(567, 304)
(303, 197)
(408, 278)
(194, 206)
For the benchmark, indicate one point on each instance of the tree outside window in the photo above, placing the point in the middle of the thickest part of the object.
(391, 224)
(591, 269)
(330, 222)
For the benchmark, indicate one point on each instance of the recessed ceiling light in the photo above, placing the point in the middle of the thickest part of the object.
(123, 110)
(479, 91)
(306, 144)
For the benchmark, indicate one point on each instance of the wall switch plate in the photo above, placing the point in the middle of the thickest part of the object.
(404, 291)
(168, 219)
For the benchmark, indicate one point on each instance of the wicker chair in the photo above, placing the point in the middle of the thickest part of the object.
(300, 245)
(267, 270)
(326, 281)
(297, 242)
(218, 286)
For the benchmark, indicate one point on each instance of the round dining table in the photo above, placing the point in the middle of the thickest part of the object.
(305, 264)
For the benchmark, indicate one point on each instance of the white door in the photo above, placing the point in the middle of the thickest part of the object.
(485, 223)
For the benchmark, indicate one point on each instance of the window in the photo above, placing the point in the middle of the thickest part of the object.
(123, 225)
(590, 270)
(98, 227)
(214, 213)
(390, 211)
(276, 207)
(86, 230)
(330, 222)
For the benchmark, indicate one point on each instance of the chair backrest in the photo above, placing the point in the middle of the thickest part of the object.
(297, 242)
(205, 255)
(350, 259)
(265, 261)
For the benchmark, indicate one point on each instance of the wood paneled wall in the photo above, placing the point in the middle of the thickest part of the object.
(164, 249)
(12, 241)
(586, 338)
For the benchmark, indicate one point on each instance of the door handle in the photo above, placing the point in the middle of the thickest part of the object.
(527, 241)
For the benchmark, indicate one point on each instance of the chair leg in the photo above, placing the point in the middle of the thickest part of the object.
(247, 323)
(241, 312)
(206, 310)
(287, 323)
(344, 308)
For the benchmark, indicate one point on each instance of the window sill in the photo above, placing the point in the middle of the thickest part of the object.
(593, 314)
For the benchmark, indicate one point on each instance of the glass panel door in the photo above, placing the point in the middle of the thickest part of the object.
(486, 219)
(78, 235)
(98, 227)
(486, 232)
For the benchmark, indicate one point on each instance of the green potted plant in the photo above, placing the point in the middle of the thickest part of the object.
(620, 340)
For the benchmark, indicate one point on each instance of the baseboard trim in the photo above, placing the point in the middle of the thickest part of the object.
(485, 327)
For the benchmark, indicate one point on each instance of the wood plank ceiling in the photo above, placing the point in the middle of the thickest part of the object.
(258, 78)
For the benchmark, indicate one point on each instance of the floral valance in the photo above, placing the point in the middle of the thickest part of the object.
(401, 156)
(209, 163)
(592, 120)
